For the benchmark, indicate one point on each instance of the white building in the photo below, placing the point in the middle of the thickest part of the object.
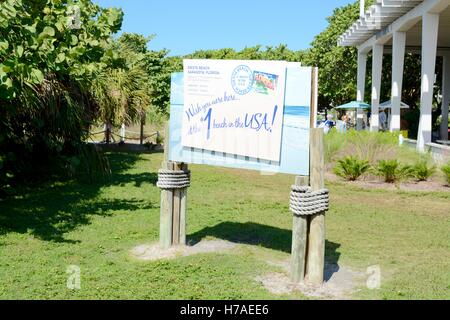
(399, 26)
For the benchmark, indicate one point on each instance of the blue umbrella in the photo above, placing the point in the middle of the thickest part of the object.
(388, 104)
(354, 105)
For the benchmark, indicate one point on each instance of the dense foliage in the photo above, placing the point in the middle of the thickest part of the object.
(50, 54)
(122, 89)
(281, 52)
(337, 65)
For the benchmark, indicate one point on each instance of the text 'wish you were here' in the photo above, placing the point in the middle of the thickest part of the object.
(202, 115)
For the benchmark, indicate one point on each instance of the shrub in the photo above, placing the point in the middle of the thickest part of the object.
(392, 171)
(373, 146)
(446, 170)
(351, 168)
(159, 139)
(422, 171)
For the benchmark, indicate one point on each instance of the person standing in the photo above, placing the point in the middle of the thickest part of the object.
(383, 120)
(329, 123)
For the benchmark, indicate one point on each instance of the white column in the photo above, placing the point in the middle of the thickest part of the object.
(430, 26)
(398, 58)
(361, 8)
(377, 64)
(445, 96)
(361, 84)
(361, 81)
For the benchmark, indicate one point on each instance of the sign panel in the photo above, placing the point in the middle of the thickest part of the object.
(234, 106)
(295, 125)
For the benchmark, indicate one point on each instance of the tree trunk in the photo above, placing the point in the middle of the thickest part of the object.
(142, 129)
(108, 132)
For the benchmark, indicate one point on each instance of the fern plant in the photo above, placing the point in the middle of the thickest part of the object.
(393, 171)
(351, 168)
(422, 171)
(446, 170)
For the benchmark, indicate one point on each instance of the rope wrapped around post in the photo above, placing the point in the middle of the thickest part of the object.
(305, 202)
(173, 179)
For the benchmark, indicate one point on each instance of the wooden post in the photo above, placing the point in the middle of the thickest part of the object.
(316, 240)
(183, 207)
(173, 206)
(314, 90)
(176, 211)
(166, 213)
(165, 219)
(299, 239)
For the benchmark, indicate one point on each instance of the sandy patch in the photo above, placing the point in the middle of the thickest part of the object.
(340, 282)
(150, 252)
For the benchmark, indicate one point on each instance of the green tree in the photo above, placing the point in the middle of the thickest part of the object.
(122, 89)
(159, 69)
(50, 53)
(337, 65)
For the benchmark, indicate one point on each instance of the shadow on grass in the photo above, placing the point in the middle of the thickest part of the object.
(123, 161)
(265, 236)
(49, 210)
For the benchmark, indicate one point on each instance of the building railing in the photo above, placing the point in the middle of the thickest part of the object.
(439, 152)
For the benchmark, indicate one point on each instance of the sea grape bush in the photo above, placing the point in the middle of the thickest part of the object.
(46, 69)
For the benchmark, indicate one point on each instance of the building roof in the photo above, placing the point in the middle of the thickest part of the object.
(377, 17)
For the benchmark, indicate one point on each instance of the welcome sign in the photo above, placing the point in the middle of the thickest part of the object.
(234, 106)
(232, 115)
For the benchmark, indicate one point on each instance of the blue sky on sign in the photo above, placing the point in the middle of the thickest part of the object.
(183, 26)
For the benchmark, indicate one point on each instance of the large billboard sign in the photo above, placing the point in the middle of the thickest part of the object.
(234, 107)
(242, 114)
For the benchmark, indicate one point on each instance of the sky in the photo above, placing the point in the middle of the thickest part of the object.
(186, 26)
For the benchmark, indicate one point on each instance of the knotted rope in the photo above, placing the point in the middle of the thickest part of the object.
(173, 179)
(304, 202)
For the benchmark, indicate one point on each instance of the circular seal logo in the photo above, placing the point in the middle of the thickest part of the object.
(242, 79)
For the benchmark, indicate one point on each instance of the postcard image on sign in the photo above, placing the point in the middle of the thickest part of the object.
(294, 158)
(234, 106)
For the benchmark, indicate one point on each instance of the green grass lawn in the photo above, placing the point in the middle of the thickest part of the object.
(94, 226)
